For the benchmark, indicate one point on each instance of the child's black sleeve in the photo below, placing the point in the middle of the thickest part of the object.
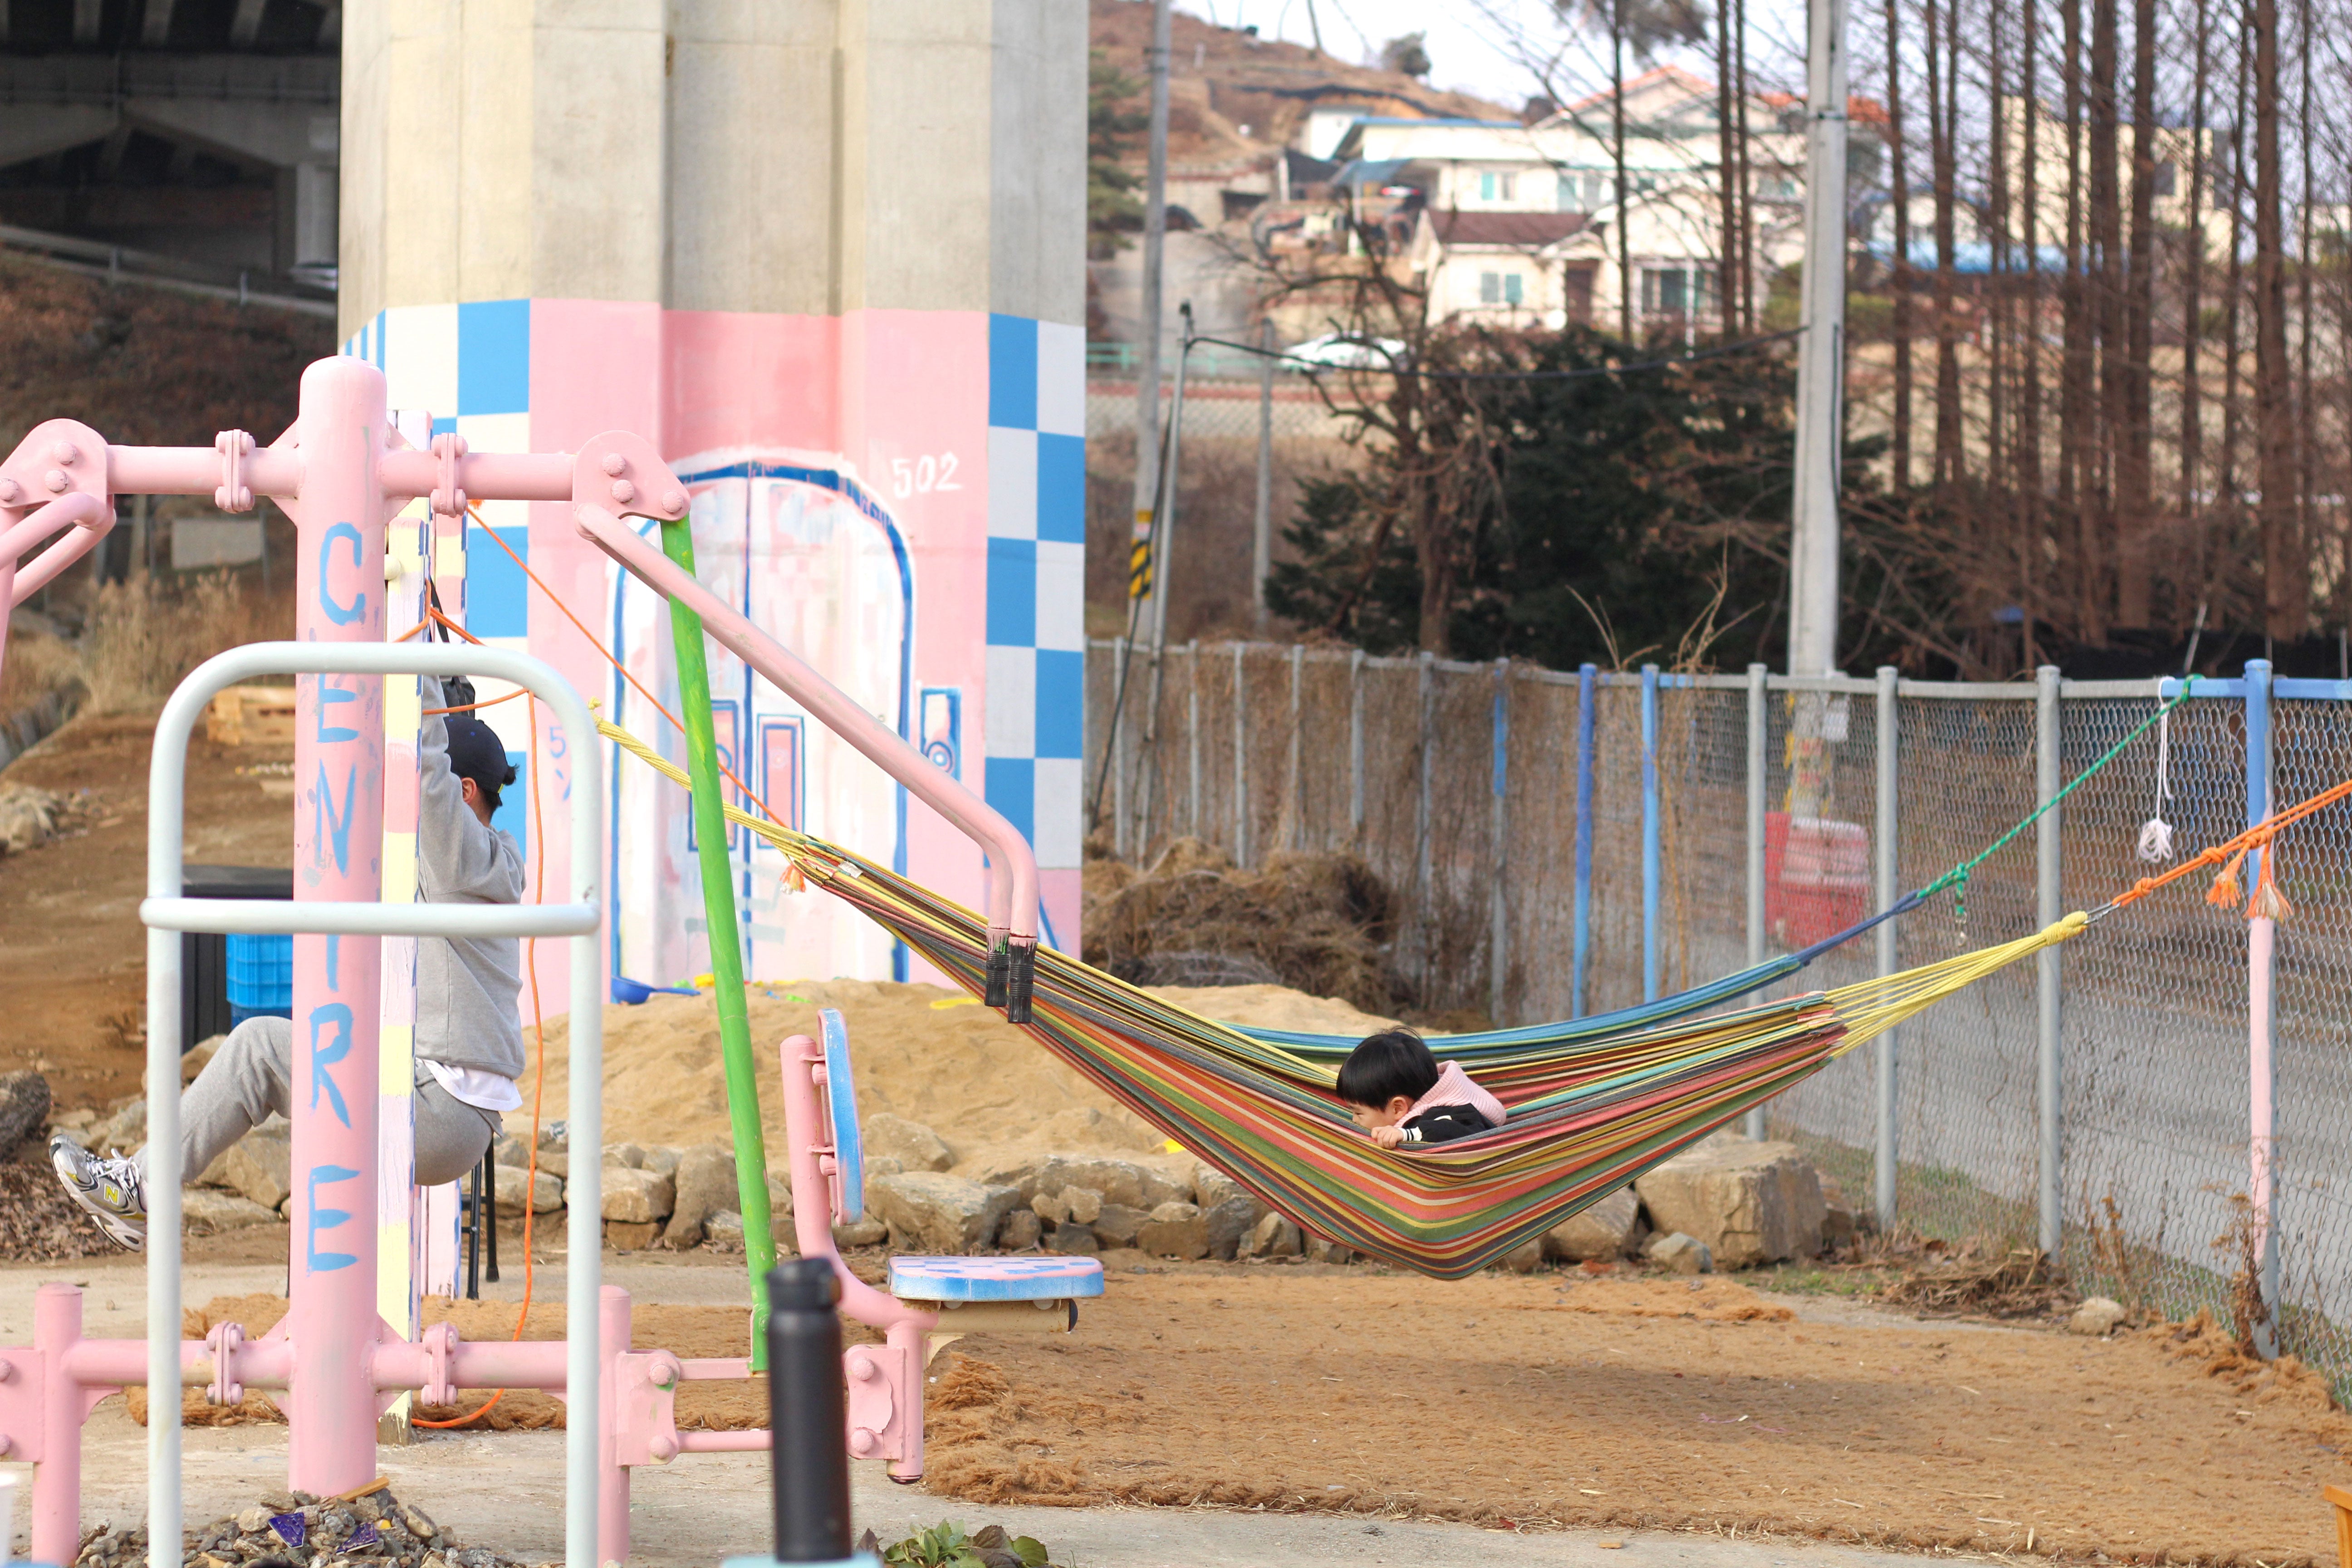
(1443, 1123)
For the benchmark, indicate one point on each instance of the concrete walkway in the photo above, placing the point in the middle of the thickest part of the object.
(506, 1491)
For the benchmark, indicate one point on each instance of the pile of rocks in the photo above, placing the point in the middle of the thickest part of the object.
(296, 1530)
(1727, 1203)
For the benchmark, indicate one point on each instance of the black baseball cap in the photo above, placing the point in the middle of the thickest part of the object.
(476, 753)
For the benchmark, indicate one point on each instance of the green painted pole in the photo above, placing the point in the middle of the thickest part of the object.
(725, 944)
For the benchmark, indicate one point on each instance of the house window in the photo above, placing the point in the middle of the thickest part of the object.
(1678, 290)
(1494, 186)
(2167, 182)
(1501, 287)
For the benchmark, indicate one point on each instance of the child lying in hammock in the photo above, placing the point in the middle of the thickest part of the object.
(1403, 1096)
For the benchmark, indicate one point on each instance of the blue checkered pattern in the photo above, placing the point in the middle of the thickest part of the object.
(469, 366)
(1036, 581)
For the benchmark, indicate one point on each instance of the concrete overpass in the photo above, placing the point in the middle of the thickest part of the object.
(204, 131)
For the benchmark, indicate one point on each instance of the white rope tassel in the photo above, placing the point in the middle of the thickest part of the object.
(2156, 834)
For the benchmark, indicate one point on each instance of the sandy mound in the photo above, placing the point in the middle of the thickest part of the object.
(1275, 1007)
(934, 1055)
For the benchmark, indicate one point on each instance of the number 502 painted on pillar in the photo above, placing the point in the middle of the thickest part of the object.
(921, 476)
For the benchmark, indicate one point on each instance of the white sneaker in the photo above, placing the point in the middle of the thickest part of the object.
(113, 1190)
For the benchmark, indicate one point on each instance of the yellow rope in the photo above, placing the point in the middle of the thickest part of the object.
(1871, 1007)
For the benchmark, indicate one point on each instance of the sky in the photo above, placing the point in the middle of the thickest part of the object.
(1468, 39)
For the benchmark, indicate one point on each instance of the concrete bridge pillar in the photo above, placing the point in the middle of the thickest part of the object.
(830, 255)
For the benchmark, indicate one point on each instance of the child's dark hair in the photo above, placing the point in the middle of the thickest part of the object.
(1386, 1065)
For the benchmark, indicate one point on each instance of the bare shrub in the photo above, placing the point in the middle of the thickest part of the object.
(36, 664)
(145, 635)
(1318, 923)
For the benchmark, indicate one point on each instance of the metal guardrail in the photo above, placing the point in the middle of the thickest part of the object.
(124, 264)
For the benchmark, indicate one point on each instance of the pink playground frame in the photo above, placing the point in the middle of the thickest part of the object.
(341, 472)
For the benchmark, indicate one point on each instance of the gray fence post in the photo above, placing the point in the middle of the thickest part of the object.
(1294, 813)
(1653, 849)
(1422, 892)
(2048, 893)
(1261, 534)
(1192, 739)
(1757, 732)
(1498, 916)
(1240, 758)
(1356, 747)
(1889, 858)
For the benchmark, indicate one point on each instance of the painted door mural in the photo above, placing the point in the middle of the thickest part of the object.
(819, 565)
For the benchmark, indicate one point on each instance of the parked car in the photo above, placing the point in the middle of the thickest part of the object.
(1345, 350)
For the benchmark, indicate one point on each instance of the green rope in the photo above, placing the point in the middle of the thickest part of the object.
(1958, 877)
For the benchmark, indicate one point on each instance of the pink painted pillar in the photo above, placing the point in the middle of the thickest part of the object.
(57, 1479)
(338, 856)
(613, 1480)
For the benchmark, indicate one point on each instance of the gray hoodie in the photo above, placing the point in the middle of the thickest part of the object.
(465, 988)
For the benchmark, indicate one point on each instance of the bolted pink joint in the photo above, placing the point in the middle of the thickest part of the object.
(224, 1341)
(233, 494)
(619, 469)
(441, 1353)
(449, 495)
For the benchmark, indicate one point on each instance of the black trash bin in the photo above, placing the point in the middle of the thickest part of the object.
(203, 955)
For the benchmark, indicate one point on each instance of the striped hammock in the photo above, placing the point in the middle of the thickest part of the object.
(1591, 1110)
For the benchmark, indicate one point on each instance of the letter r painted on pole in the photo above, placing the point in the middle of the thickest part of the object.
(336, 1015)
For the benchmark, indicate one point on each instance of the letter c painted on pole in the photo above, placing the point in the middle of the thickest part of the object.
(342, 614)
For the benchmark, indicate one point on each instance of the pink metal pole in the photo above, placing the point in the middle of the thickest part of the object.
(886, 1386)
(57, 1479)
(1012, 892)
(86, 515)
(2262, 947)
(339, 521)
(612, 1484)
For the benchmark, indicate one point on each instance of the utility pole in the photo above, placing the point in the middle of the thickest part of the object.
(1147, 362)
(1821, 365)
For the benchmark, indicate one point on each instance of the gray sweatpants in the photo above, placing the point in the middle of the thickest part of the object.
(252, 1075)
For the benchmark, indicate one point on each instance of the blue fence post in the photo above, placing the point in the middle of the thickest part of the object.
(1588, 680)
(2262, 957)
(1650, 848)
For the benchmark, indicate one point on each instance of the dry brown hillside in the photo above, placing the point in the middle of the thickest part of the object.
(1260, 83)
(142, 365)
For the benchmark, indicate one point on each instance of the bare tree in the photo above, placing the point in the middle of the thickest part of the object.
(2135, 499)
(2110, 434)
(2192, 297)
(1942, 63)
(2075, 423)
(2285, 581)
(1900, 198)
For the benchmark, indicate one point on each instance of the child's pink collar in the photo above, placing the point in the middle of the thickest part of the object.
(1454, 1086)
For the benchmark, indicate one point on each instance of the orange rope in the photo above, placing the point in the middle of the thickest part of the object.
(728, 773)
(2224, 891)
(487, 702)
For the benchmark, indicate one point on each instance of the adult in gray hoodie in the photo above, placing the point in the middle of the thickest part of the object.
(469, 1033)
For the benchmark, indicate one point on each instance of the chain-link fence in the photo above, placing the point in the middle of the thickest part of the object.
(1561, 845)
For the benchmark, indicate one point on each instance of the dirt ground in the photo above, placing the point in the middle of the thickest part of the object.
(1554, 1400)
(72, 952)
(1550, 1400)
